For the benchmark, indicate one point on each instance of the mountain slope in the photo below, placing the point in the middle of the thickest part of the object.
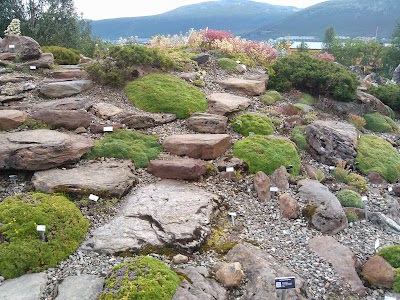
(349, 18)
(238, 16)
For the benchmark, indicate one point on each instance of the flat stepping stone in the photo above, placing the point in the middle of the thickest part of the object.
(63, 104)
(111, 178)
(225, 103)
(70, 74)
(26, 287)
(106, 110)
(87, 287)
(140, 120)
(203, 146)
(68, 119)
(166, 213)
(246, 86)
(64, 88)
(180, 168)
(11, 119)
(207, 123)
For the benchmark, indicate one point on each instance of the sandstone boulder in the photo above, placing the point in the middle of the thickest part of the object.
(279, 178)
(229, 274)
(63, 104)
(262, 186)
(180, 259)
(207, 123)
(70, 74)
(106, 110)
(87, 287)
(10, 119)
(25, 47)
(180, 168)
(379, 272)
(68, 119)
(29, 286)
(245, 86)
(225, 103)
(289, 207)
(64, 88)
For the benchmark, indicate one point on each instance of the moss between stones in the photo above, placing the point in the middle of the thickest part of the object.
(351, 217)
(128, 145)
(299, 137)
(253, 123)
(21, 249)
(142, 278)
(349, 198)
(267, 154)
(396, 284)
(307, 99)
(379, 123)
(227, 64)
(309, 211)
(166, 94)
(377, 155)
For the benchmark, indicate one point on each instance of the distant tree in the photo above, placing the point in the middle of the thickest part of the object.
(391, 53)
(303, 47)
(329, 37)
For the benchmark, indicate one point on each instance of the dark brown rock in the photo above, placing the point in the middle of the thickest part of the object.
(396, 190)
(376, 178)
(180, 168)
(289, 110)
(289, 207)
(138, 121)
(379, 272)
(207, 123)
(293, 121)
(10, 119)
(262, 186)
(68, 119)
(279, 178)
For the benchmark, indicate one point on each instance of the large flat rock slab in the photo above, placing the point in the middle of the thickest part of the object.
(166, 213)
(63, 104)
(207, 123)
(41, 149)
(68, 119)
(26, 287)
(83, 287)
(203, 146)
(64, 88)
(246, 86)
(179, 168)
(225, 103)
(111, 178)
(11, 118)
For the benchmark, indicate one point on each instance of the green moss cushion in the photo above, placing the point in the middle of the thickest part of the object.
(21, 248)
(298, 135)
(349, 198)
(253, 123)
(379, 123)
(377, 155)
(391, 254)
(227, 64)
(267, 153)
(142, 278)
(166, 94)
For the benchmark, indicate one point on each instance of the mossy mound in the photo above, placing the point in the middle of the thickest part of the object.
(396, 284)
(267, 153)
(141, 278)
(21, 248)
(63, 56)
(298, 135)
(227, 64)
(166, 94)
(391, 254)
(377, 155)
(306, 99)
(349, 198)
(270, 97)
(253, 123)
(127, 145)
(379, 123)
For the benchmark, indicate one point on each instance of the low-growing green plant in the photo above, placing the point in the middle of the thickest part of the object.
(165, 93)
(299, 106)
(391, 254)
(319, 175)
(306, 99)
(396, 283)
(310, 117)
(357, 181)
(21, 248)
(128, 145)
(227, 64)
(32, 123)
(298, 135)
(267, 99)
(63, 56)
(199, 83)
(351, 217)
(274, 94)
(357, 121)
(374, 154)
(267, 153)
(388, 94)
(141, 278)
(349, 198)
(257, 124)
(379, 123)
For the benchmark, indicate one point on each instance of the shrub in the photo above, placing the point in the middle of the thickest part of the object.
(379, 123)
(266, 153)
(22, 250)
(377, 155)
(357, 121)
(357, 181)
(63, 56)
(227, 64)
(391, 254)
(253, 123)
(274, 94)
(141, 278)
(313, 75)
(299, 137)
(349, 198)
(307, 99)
(127, 145)
(325, 56)
(164, 93)
(340, 174)
(388, 94)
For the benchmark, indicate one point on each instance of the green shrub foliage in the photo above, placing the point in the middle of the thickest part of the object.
(307, 99)
(62, 56)
(141, 278)
(396, 284)
(298, 135)
(374, 154)
(267, 153)
(313, 75)
(391, 254)
(164, 93)
(127, 145)
(227, 64)
(253, 123)
(349, 198)
(379, 123)
(388, 94)
(21, 248)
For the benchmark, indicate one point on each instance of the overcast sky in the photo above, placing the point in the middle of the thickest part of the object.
(97, 10)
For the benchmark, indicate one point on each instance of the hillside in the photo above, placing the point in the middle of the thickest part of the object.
(238, 16)
(349, 18)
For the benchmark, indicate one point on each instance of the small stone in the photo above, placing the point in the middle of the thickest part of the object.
(229, 274)
(180, 259)
(289, 207)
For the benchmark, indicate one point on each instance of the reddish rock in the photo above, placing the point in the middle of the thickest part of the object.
(63, 104)
(229, 274)
(180, 259)
(294, 121)
(279, 178)
(289, 110)
(100, 128)
(68, 119)
(396, 190)
(310, 171)
(376, 178)
(289, 207)
(70, 74)
(262, 186)
(203, 146)
(207, 123)
(379, 272)
(10, 119)
(246, 86)
(181, 168)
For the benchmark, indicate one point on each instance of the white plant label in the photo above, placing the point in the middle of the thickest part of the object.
(273, 189)
(232, 214)
(390, 189)
(377, 244)
(108, 129)
(93, 197)
(41, 228)
(364, 198)
(11, 46)
(230, 169)
(32, 67)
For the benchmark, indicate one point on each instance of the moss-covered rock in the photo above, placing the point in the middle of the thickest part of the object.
(253, 123)
(267, 153)
(21, 248)
(166, 94)
(374, 154)
(349, 198)
(391, 254)
(141, 278)
(127, 145)
(298, 135)
(227, 64)
(379, 123)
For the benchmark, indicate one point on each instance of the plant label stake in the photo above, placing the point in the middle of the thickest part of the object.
(364, 200)
(251, 133)
(331, 169)
(93, 197)
(273, 190)
(285, 283)
(233, 215)
(390, 189)
(108, 129)
(32, 67)
(377, 244)
(230, 170)
(13, 179)
(11, 48)
(41, 229)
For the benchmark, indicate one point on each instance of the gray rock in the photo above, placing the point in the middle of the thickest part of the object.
(25, 47)
(68, 119)
(41, 149)
(26, 287)
(328, 216)
(15, 78)
(331, 141)
(70, 74)
(207, 123)
(112, 178)
(10, 119)
(202, 58)
(245, 86)
(45, 61)
(396, 75)
(63, 104)
(167, 213)
(261, 269)
(225, 103)
(87, 287)
(139, 121)
(279, 178)
(64, 88)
